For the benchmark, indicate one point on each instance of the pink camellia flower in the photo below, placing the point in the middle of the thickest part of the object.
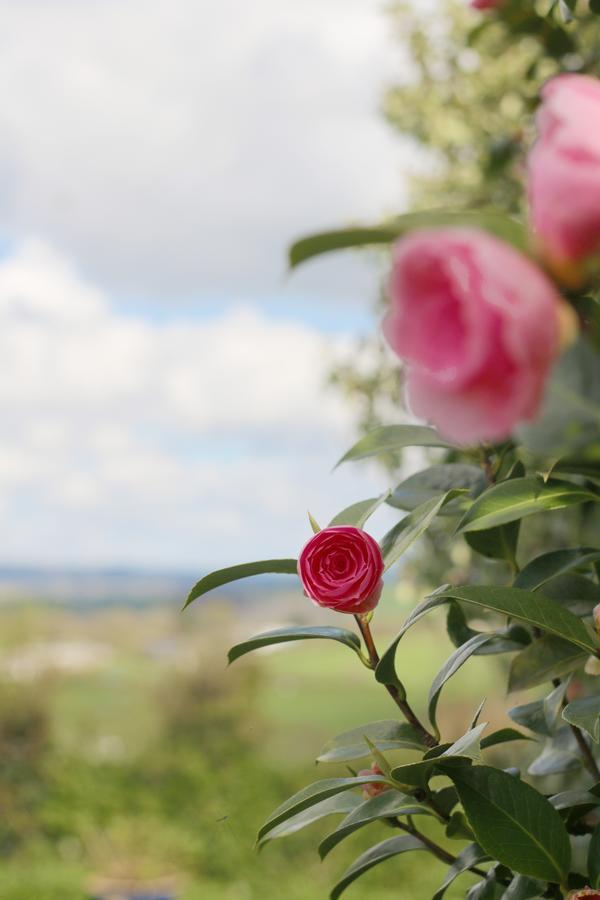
(590, 893)
(564, 174)
(485, 4)
(479, 326)
(340, 568)
(373, 789)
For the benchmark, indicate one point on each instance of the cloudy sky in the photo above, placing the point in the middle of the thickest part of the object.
(162, 399)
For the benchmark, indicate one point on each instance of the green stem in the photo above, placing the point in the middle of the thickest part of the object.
(437, 851)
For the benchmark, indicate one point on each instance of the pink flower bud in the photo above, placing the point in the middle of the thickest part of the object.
(564, 175)
(340, 568)
(478, 325)
(596, 615)
(373, 789)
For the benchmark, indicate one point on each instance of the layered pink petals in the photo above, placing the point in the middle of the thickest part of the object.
(564, 170)
(341, 568)
(478, 325)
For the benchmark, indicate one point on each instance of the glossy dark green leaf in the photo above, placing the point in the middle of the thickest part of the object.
(401, 536)
(457, 829)
(507, 640)
(311, 795)
(359, 513)
(384, 806)
(470, 856)
(284, 635)
(375, 855)
(575, 592)
(574, 804)
(392, 438)
(535, 609)
(235, 573)
(532, 716)
(385, 735)
(501, 541)
(437, 480)
(502, 736)
(313, 245)
(558, 562)
(546, 658)
(462, 752)
(585, 713)
(339, 804)
(450, 667)
(520, 497)
(594, 858)
(513, 822)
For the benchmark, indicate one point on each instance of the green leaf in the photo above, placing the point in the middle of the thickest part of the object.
(359, 513)
(430, 483)
(500, 542)
(470, 856)
(375, 855)
(520, 497)
(559, 755)
(384, 806)
(534, 609)
(246, 570)
(522, 888)
(406, 532)
(311, 795)
(532, 716)
(513, 822)
(577, 594)
(546, 658)
(457, 828)
(595, 6)
(339, 803)
(558, 562)
(508, 640)
(553, 705)
(385, 735)
(450, 667)
(391, 439)
(461, 752)
(585, 713)
(503, 736)
(313, 245)
(594, 858)
(283, 635)
(574, 804)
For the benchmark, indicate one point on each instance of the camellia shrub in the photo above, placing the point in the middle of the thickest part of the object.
(497, 325)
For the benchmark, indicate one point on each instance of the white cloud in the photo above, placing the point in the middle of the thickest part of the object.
(188, 442)
(174, 148)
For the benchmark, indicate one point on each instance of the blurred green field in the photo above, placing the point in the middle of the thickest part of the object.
(148, 758)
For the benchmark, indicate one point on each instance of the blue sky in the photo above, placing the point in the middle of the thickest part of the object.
(162, 380)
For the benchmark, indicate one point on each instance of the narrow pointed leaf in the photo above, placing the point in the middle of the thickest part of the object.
(284, 635)
(391, 439)
(470, 856)
(522, 888)
(436, 480)
(372, 857)
(339, 804)
(385, 735)
(514, 823)
(519, 497)
(503, 736)
(450, 667)
(558, 562)
(384, 806)
(399, 539)
(585, 713)
(359, 513)
(245, 570)
(461, 753)
(311, 795)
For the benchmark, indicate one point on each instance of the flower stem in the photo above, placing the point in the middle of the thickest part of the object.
(428, 739)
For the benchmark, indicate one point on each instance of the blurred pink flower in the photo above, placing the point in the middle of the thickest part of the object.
(564, 173)
(485, 4)
(373, 789)
(590, 893)
(340, 568)
(479, 326)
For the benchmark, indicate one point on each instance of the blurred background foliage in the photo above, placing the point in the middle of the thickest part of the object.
(142, 761)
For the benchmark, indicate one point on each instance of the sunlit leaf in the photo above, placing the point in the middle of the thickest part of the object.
(284, 635)
(245, 570)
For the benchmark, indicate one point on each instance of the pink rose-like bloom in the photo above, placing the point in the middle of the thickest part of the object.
(478, 325)
(590, 893)
(374, 789)
(340, 568)
(564, 171)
